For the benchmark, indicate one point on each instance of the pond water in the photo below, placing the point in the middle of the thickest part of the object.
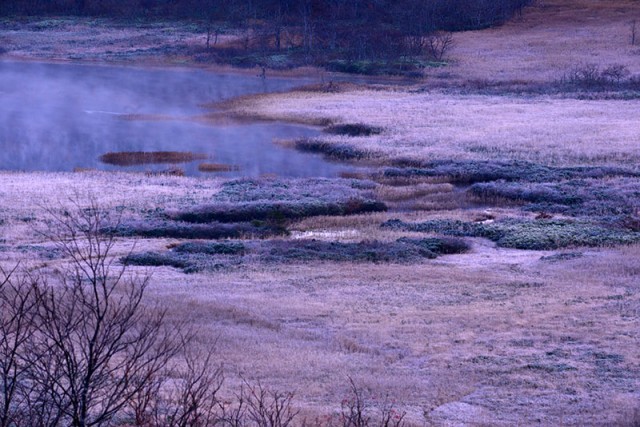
(59, 117)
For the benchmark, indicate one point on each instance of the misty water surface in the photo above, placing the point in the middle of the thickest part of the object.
(57, 117)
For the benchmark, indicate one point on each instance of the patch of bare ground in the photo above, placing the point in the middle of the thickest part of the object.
(217, 167)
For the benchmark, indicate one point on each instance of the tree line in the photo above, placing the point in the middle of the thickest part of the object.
(356, 29)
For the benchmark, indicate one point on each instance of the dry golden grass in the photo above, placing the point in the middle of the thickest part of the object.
(394, 193)
(551, 37)
(512, 339)
(496, 336)
(423, 196)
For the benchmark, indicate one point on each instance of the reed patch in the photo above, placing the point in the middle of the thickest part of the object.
(132, 158)
(217, 167)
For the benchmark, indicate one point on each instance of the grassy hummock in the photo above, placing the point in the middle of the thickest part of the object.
(196, 256)
(282, 200)
(514, 233)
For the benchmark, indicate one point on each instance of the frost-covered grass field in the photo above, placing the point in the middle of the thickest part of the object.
(435, 125)
(534, 320)
(490, 336)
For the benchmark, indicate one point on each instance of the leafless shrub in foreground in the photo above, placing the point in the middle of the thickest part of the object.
(17, 321)
(194, 402)
(84, 348)
(97, 344)
(267, 408)
(360, 410)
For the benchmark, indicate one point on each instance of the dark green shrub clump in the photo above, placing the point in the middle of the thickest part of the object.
(155, 259)
(196, 256)
(473, 171)
(579, 197)
(354, 129)
(278, 211)
(331, 150)
(186, 230)
(280, 200)
(212, 248)
(189, 262)
(316, 250)
(439, 245)
(526, 234)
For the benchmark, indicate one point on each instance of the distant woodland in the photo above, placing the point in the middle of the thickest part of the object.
(352, 30)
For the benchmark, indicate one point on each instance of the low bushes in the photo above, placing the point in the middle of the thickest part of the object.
(155, 259)
(578, 197)
(192, 262)
(354, 129)
(526, 234)
(332, 150)
(469, 172)
(592, 77)
(212, 248)
(315, 250)
(195, 256)
(439, 245)
(277, 211)
(280, 200)
(185, 230)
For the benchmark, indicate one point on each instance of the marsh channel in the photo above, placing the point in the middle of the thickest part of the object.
(65, 116)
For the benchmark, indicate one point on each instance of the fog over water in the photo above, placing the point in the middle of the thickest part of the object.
(57, 117)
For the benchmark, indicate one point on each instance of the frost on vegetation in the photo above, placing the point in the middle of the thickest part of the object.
(196, 256)
(160, 228)
(526, 234)
(579, 197)
(475, 171)
(257, 209)
(281, 200)
(332, 150)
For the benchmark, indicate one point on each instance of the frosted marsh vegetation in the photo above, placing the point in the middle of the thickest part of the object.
(493, 335)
